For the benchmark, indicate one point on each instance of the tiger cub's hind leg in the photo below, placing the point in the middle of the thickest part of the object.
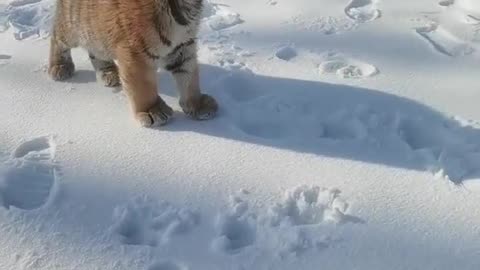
(60, 66)
(106, 70)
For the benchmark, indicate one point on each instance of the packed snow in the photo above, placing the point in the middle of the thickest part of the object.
(348, 138)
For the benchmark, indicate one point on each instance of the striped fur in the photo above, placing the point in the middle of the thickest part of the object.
(126, 40)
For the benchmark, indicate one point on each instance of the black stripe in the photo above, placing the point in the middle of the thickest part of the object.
(180, 70)
(176, 65)
(156, 22)
(146, 51)
(177, 14)
(181, 45)
(165, 40)
(150, 55)
(192, 10)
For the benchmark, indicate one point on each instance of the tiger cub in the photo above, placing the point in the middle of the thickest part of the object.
(126, 40)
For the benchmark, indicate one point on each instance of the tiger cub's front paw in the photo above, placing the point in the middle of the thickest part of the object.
(158, 115)
(110, 78)
(203, 107)
(61, 72)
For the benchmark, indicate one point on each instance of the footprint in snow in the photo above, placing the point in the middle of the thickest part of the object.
(295, 224)
(362, 11)
(455, 31)
(218, 18)
(309, 205)
(444, 42)
(272, 117)
(446, 3)
(445, 150)
(30, 182)
(342, 126)
(167, 265)
(272, 2)
(292, 226)
(235, 229)
(146, 222)
(239, 87)
(4, 59)
(347, 68)
(467, 11)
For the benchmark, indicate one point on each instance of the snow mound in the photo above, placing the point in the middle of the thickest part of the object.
(286, 53)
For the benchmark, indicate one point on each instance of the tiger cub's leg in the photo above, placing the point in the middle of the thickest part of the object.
(60, 66)
(184, 68)
(107, 71)
(138, 77)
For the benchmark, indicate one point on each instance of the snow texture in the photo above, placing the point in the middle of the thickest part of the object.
(348, 137)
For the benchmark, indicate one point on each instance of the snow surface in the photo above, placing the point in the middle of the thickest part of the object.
(348, 138)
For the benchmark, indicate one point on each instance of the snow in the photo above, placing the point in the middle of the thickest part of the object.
(348, 138)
